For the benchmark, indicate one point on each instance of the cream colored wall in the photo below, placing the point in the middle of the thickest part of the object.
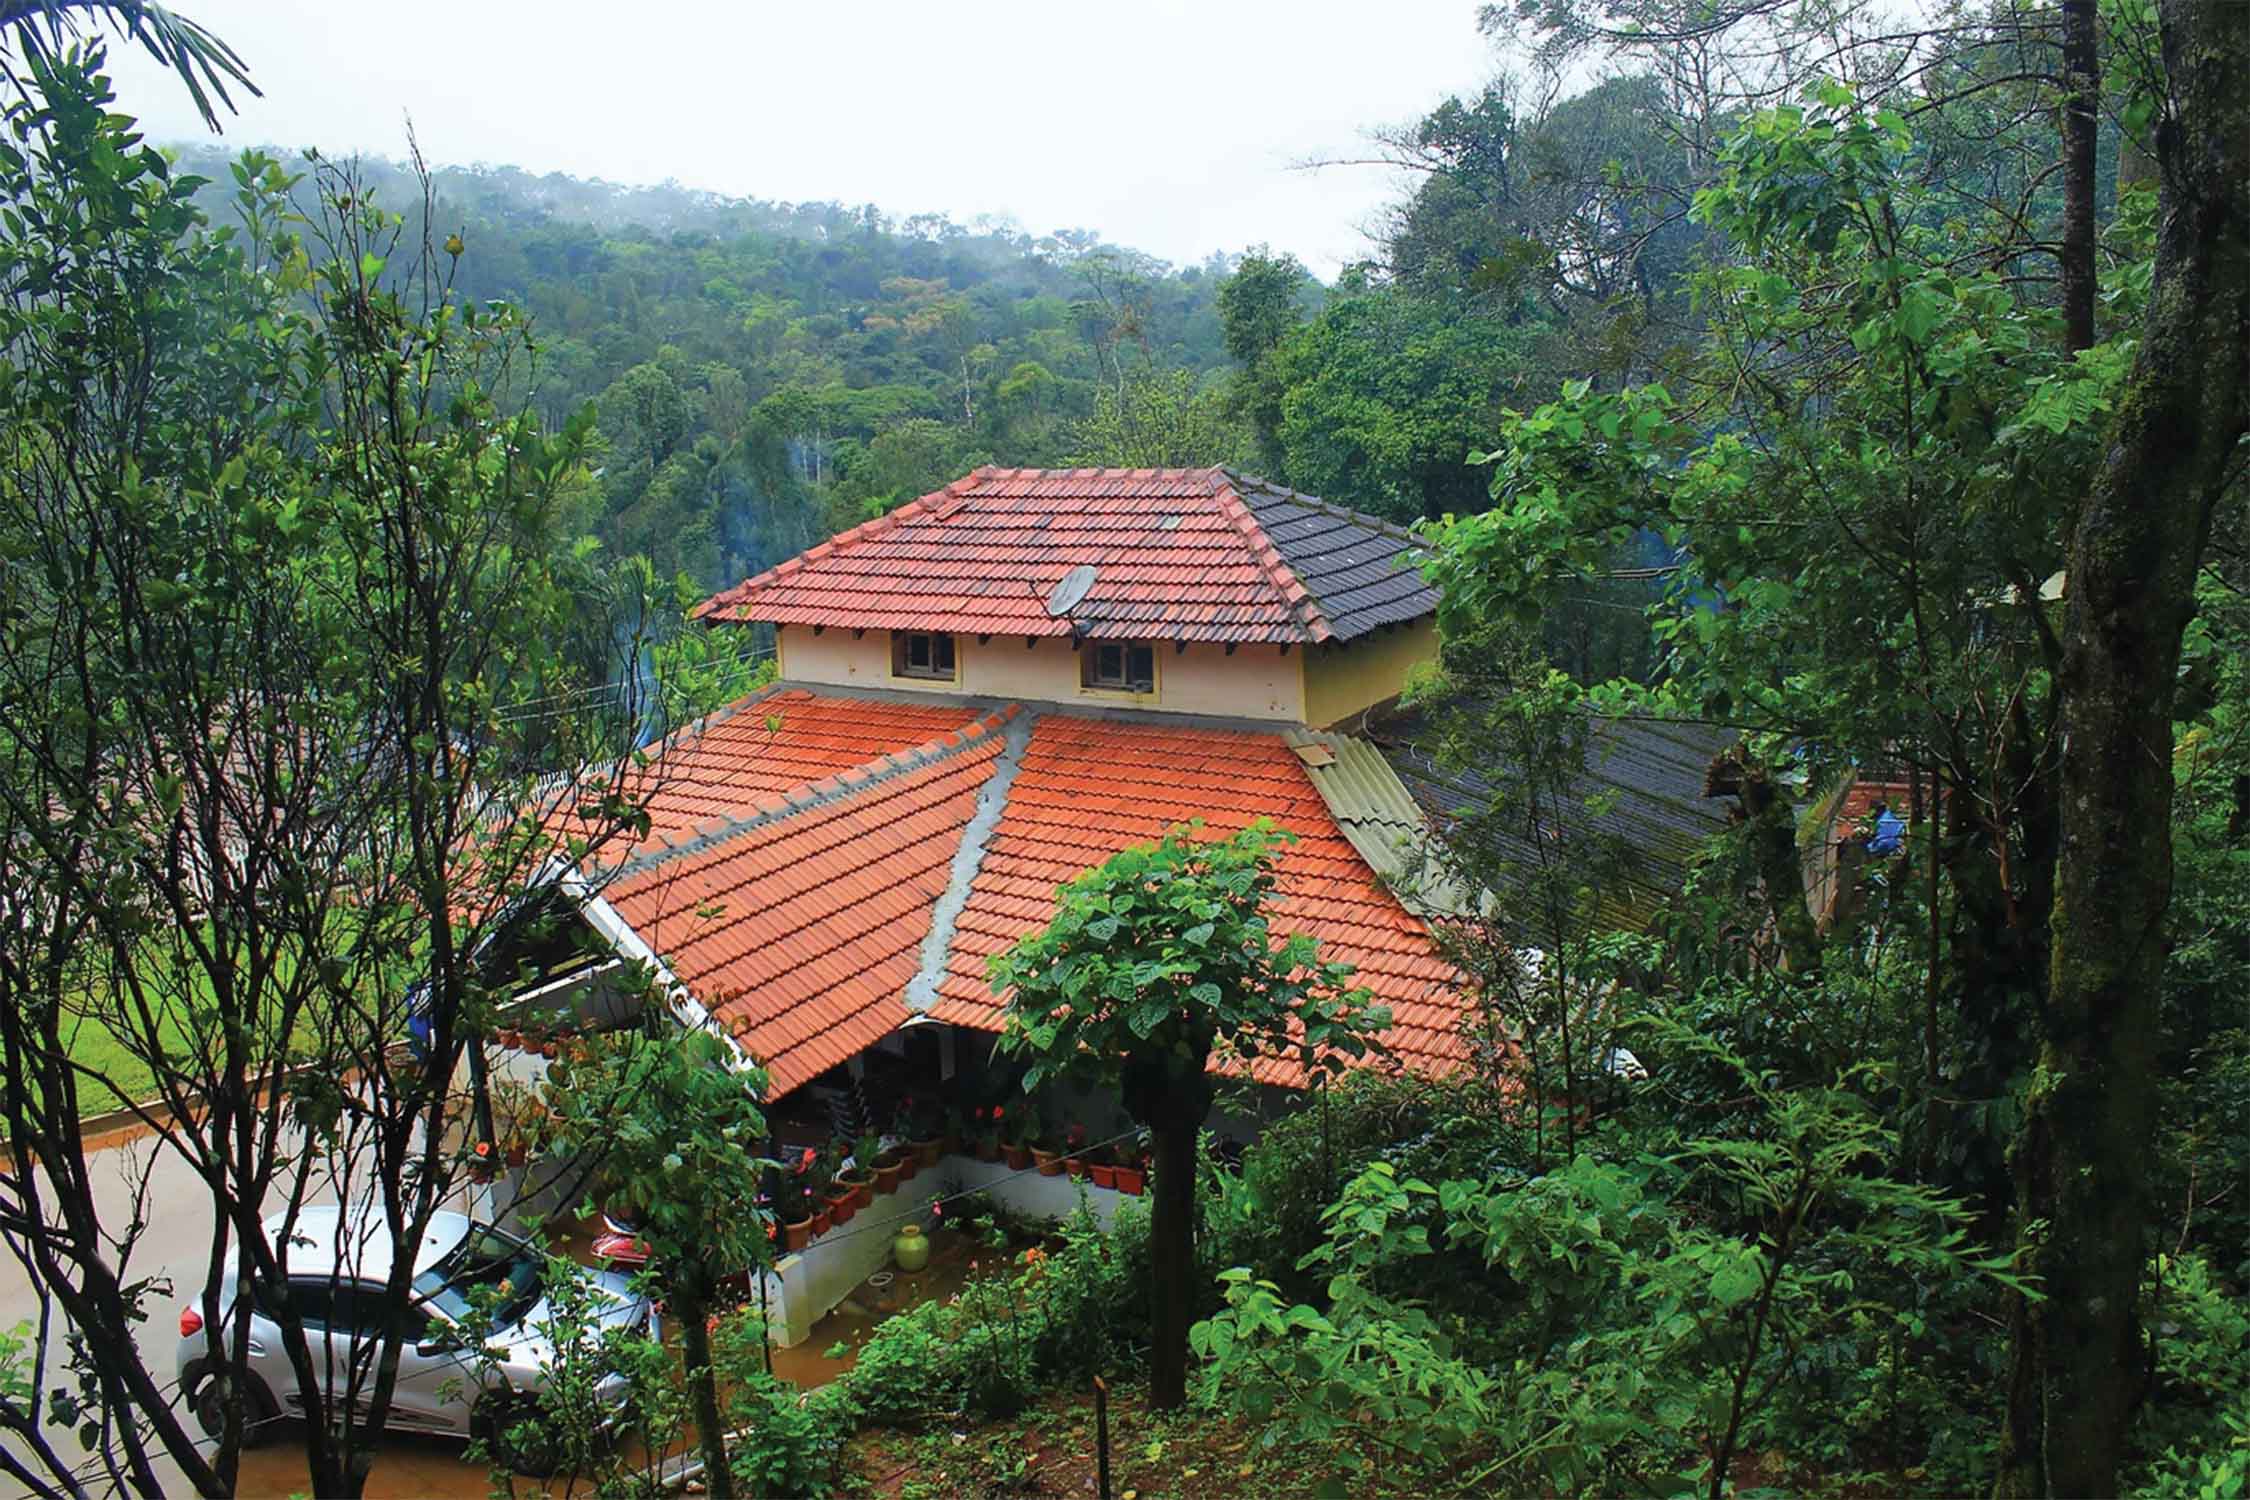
(1342, 680)
(1257, 682)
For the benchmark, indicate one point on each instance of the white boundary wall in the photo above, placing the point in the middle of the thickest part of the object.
(807, 1286)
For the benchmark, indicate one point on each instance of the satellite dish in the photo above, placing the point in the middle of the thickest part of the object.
(1071, 588)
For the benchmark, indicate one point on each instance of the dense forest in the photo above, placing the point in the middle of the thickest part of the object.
(767, 373)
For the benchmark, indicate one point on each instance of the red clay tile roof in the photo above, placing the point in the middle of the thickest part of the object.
(1090, 787)
(1178, 555)
(792, 874)
(771, 743)
(799, 927)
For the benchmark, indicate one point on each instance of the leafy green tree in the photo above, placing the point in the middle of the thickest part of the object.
(1259, 306)
(670, 1121)
(1870, 522)
(1663, 1290)
(1155, 966)
(1388, 396)
(1159, 420)
(253, 671)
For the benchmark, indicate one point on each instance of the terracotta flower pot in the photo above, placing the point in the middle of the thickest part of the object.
(1131, 1180)
(1078, 1167)
(886, 1177)
(821, 1223)
(796, 1234)
(841, 1206)
(1050, 1162)
(909, 1163)
(988, 1150)
(1104, 1175)
(1019, 1157)
(927, 1152)
(862, 1189)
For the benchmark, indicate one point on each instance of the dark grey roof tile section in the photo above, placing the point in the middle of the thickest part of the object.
(1362, 570)
(1656, 771)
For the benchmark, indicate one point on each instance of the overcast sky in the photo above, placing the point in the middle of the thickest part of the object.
(1165, 125)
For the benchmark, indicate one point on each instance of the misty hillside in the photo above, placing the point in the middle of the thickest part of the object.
(767, 372)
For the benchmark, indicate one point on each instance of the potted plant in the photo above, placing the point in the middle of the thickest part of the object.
(834, 1199)
(1047, 1156)
(1102, 1167)
(852, 1185)
(1132, 1167)
(880, 1166)
(1074, 1149)
(1022, 1128)
(985, 1128)
(796, 1209)
(924, 1128)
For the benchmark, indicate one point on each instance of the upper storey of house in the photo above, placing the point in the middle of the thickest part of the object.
(1193, 591)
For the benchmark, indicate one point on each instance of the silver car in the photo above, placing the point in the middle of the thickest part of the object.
(338, 1264)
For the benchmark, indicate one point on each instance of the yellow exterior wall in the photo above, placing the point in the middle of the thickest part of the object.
(1342, 680)
(1257, 682)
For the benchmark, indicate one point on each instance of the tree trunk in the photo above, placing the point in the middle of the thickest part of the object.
(2081, 60)
(1171, 1256)
(693, 1311)
(2081, 1159)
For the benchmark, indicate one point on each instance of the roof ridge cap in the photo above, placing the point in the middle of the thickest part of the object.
(1295, 593)
(1378, 524)
(779, 807)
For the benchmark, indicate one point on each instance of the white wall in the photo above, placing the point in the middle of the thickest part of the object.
(1257, 682)
(807, 1286)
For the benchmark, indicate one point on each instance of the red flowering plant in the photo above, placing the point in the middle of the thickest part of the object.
(1074, 1139)
(984, 1129)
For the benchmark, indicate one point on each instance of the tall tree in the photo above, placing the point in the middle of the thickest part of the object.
(1155, 965)
(2082, 1158)
(283, 589)
(1259, 306)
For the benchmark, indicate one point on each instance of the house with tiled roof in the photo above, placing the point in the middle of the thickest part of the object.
(994, 688)
(991, 689)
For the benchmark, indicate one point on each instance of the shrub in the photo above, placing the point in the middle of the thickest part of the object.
(1070, 1308)
(2202, 1337)
(786, 1444)
(1304, 1160)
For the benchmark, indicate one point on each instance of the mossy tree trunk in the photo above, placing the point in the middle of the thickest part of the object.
(2081, 1159)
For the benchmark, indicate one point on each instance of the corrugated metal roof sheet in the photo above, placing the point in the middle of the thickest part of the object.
(1655, 772)
(1381, 818)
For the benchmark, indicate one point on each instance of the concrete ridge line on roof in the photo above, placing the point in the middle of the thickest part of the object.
(1243, 482)
(822, 792)
(1284, 578)
(968, 859)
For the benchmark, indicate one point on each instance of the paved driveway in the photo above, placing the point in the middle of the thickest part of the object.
(177, 1243)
